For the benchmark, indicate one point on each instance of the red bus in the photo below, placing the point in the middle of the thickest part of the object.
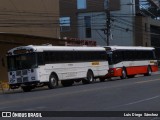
(129, 61)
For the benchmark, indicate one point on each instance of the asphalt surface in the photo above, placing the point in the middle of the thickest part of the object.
(136, 94)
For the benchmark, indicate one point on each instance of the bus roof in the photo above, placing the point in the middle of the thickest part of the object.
(35, 48)
(128, 48)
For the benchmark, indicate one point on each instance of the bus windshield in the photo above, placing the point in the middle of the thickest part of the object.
(23, 61)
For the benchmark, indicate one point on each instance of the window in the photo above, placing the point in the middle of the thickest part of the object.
(65, 24)
(117, 57)
(40, 57)
(22, 61)
(88, 32)
(87, 21)
(72, 56)
(81, 4)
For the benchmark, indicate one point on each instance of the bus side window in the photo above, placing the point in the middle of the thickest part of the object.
(117, 56)
(40, 58)
(67, 56)
(130, 55)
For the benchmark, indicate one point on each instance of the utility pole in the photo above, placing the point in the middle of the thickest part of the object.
(108, 21)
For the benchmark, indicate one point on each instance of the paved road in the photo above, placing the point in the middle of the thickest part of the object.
(136, 94)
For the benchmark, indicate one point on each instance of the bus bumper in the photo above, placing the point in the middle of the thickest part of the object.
(16, 86)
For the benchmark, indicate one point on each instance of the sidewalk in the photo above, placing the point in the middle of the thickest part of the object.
(9, 91)
(4, 88)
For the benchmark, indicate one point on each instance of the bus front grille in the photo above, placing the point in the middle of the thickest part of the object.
(18, 73)
(21, 72)
(25, 79)
(24, 72)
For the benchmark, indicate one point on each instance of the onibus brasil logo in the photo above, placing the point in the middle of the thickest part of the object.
(21, 114)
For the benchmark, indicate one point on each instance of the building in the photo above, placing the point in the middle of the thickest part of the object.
(30, 17)
(149, 33)
(147, 23)
(87, 19)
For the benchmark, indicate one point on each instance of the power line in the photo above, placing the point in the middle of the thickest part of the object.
(43, 14)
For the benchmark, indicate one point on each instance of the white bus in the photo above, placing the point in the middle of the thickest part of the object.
(129, 61)
(33, 66)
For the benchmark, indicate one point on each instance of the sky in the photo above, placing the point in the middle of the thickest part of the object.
(81, 4)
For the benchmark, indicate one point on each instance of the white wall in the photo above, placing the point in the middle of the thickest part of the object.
(121, 20)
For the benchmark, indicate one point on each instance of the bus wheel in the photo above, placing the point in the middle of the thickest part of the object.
(124, 74)
(149, 71)
(89, 79)
(53, 81)
(26, 88)
(66, 83)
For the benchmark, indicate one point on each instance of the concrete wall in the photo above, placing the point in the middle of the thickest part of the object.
(32, 17)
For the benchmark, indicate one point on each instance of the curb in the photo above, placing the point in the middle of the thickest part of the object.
(9, 91)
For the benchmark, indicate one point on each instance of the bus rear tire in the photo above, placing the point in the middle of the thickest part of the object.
(26, 88)
(89, 79)
(149, 71)
(53, 81)
(124, 74)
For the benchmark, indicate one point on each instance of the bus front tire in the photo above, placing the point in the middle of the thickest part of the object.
(53, 81)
